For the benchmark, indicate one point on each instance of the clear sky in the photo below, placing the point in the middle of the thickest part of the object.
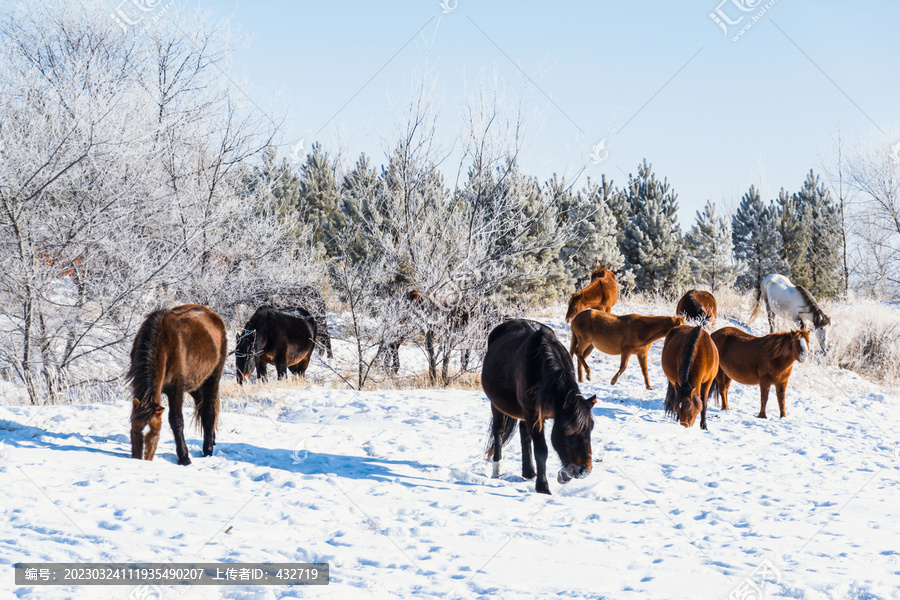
(657, 80)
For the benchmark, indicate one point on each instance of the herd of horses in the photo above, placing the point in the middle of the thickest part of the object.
(527, 374)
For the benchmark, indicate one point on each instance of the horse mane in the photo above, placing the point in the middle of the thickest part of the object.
(692, 307)
(778, 344)
(556, 380)
(142, 371)
(820, 319)
(687, 361)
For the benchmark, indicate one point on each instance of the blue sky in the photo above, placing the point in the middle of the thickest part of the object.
(658, 80)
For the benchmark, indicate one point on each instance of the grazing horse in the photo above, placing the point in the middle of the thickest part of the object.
(529, 377)
(175, 351)
(690, 361)
(291, 300)
(623, 335)
(601, 293)
(697, 306)
(763, 361)
(794, 303)
(275, 337)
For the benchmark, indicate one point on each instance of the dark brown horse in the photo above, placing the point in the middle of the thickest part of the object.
(273, 337)
(763, 361)
(601, 293)
(697, 306)
(618, 335)
(529, 377)
(690, 362)
(175, 351)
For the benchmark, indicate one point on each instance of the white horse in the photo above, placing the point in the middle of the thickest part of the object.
(794, 303)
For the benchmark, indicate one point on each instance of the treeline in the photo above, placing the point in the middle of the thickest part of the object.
(632, 229)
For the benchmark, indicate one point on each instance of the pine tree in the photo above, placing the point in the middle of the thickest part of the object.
(711, 249)
(359, 193)
(793, 223)
(320, 199)
(653, 245)
(757, 240)
(823, 254)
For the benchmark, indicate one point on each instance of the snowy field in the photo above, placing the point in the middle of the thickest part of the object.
(392, 490)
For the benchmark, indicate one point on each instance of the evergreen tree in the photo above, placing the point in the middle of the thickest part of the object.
(320, 199)
(652, 245)
(359, 193)
(710, 250)
(823, 254)
(594, 233)
(274, 184)
(793, 223)
(757, 240)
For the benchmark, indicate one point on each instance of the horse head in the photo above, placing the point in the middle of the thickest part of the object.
(571, 436)
(800, 344)
(245, 355)
(683, 403)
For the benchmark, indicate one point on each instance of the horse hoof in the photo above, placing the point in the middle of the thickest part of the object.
(184, 461)
(761, 416)
(528, 474)
(542, 488)
(649, 387)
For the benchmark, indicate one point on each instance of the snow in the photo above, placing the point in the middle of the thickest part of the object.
(392, 490)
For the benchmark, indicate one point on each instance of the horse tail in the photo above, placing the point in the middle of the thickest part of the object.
(714, 392)
(670, 401)
(145, 378)
(760, 298)
(509, 427)
(573, 345)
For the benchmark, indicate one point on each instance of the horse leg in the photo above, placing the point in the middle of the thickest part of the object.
(208, 407)
(771, 315)
(176, 421)
(723, 382)
(779, 392)
(527, 462)
(281, 364)
(151, 439)
(445, 367)
(498, 421)
(540, 454)
(262, 372)
(137, 435)
(704, 399)
(464, 360)
(763, 397)
(642, 360)
(622, 365)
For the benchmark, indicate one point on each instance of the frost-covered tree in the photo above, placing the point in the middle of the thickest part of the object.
(824, 252)
(594, 234)
(757, 240)
(653, 245)
(794, 225)
(319, 198)
(710, 250)
(122, 171)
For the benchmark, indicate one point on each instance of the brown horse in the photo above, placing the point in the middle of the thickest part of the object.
(697, 306)
(763, 361)
(623, 335)
(601, 293)
(175, 351)
(690, 361)
(529, 377)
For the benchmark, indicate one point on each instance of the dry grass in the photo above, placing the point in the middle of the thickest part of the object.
(865, 338)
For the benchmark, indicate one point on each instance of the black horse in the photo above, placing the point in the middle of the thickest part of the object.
(529, 377)
(285, 339)
(312, 303)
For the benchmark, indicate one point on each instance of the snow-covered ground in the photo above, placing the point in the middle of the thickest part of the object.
(392, 490)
